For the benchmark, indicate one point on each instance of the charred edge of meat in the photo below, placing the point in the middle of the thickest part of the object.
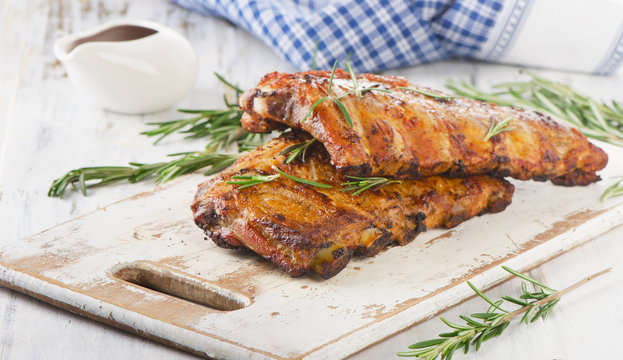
(260, 125)
(285, 235)
(378, 244)
(356, 170)
(418, 219)
(501, 200)
(206, 216)
(331, 260)
(224, 238)
(412, 171)
(577, 177)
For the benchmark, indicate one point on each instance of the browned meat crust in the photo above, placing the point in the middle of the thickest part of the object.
(260, 125)
(408, 135)
(301, 228)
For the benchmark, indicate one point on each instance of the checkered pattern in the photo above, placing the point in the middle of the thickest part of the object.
(377, 34)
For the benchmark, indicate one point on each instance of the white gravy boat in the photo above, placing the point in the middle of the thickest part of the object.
(129, 66)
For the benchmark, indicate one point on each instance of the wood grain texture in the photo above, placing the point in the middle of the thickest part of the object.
(45, 129)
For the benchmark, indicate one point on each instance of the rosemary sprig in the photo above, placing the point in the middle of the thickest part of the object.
(480, 327)
(595, 119)
(353, 78)
(88, 177)
(223, 127)
(613, 190)
(205, 123)
(497, 128)
(251, 180)
(303, 181)
(297, 150)
(337, 100)
(329, 97)
(427, 93)
(362, 184)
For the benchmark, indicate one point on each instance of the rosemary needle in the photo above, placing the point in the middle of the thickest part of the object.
(251, 180)
(230, 85)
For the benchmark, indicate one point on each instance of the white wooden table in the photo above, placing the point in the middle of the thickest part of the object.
(46, 129)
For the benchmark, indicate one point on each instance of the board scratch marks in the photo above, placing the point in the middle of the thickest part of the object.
(8, 319)
(569, 222)
(445, 235)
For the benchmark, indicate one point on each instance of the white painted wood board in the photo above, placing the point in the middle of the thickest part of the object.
(71, 266)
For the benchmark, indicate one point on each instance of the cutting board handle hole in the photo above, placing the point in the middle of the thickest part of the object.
(180, 285)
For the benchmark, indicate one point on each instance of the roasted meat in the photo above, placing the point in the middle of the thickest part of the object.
(300, 227)
(406, 134)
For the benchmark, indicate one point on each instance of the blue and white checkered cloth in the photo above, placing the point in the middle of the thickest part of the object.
(384, 34)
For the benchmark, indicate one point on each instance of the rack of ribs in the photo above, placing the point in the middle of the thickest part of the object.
(303, 228)
(406, 134)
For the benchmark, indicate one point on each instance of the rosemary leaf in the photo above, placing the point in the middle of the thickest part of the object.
(527, 278)
(314, 105)
(427, 93)
(315, 54)
(485, 298)
(331, 77)
(353, 78)
(344, 112)
(251, 180)
(230, 85)
(368, 89)
(303, 181)
(427, 343)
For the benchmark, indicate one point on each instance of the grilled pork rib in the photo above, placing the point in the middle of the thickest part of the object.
(404, 134)
(301, 228)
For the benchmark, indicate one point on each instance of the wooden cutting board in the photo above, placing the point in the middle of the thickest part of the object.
(143, 266)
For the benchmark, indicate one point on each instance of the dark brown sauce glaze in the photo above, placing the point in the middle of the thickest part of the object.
(117, 33)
